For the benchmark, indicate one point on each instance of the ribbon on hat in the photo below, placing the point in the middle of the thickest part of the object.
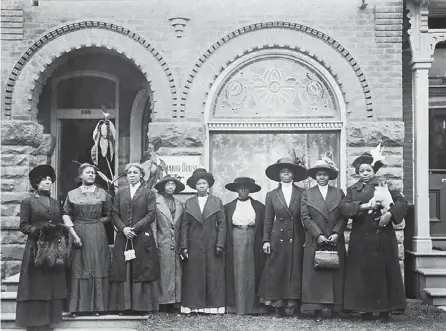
(377, 154)
(299, 161)
(328, 158)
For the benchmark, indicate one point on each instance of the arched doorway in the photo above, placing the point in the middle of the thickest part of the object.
(269, 104)
(71, 104)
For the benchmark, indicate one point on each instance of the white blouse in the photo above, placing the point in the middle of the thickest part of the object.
(323, 190)
(244, 213)
(287, 190)
(202, 202)
(133, 189)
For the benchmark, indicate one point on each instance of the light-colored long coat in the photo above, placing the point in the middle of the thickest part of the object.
(203, 282)
(167, 235)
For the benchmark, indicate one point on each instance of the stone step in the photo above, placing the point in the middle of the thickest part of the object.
(439, 243)
(8, 302)
(84, 323)
(11, 283)
(432, 278)
(435, 296)
(432, 260)
(72, 329)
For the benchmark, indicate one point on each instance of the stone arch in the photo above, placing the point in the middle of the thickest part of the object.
(250, 42)
(34, 67)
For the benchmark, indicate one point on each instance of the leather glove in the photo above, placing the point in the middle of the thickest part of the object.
(219, 251)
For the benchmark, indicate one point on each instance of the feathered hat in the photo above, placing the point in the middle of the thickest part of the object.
(375, 158)
(325, 163)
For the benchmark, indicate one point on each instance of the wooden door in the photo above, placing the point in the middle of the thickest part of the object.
(437, 172)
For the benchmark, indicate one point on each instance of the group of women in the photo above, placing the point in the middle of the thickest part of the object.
(205, 257)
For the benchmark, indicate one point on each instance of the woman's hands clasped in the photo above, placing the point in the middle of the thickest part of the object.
(267, 248)
(129, 232)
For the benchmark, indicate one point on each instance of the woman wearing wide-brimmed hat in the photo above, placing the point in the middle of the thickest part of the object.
(169, 211)
(373, 281)
(41, 290)
(202, 244)
(283, 238)
(133, 280)
(244, 255)
(324, 225)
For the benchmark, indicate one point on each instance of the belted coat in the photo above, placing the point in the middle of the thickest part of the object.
(373, 280)
(282, 275)
(203, 281)
(37, 211)
(138, 213)
(322, 217)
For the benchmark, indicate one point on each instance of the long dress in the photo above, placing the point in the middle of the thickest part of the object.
(167, 233)
(373, 280)
(281, 284)
(90, 266)
(41, 291)
(322, 288)
(245, 258)
(137, 212)
(203, 281)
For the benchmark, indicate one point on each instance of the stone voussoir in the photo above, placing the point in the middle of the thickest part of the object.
(24, 133)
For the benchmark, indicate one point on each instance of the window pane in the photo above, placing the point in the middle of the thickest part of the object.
(86, 92)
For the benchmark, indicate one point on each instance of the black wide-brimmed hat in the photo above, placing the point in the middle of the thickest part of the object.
(42, 170)
(160, 186)
(374, 158)
(326, 164)
(200, 173)
(294, 164)
(243, 181)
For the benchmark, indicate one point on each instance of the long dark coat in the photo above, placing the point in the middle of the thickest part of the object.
(322, 217)
(167, 235)
(203, 282)
(282, 275)
(259, 255)
(373, 281)
(138, 213)
(39, 283)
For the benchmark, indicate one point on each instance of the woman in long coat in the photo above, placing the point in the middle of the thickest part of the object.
(167, 233)
(244, 254)
(373, 281)
(133, 286)
(202, 242)
(86, 210)
(41, 291)
(324, 225)
(283, 238)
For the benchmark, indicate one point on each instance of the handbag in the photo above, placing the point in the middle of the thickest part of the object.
(129, 254)
(326, 258)
(51, 249)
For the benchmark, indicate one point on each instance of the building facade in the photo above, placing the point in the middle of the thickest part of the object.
(232, 84)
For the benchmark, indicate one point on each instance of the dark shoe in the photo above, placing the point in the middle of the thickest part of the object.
(72, 315)
(384, 317)
(318, 317)
(367, 316)
(279, 312)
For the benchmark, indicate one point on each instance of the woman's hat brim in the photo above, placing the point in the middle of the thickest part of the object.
(42, 170)
(253, 188)
(160, 186)
(332, 174)
(273, 171)
(192, 181)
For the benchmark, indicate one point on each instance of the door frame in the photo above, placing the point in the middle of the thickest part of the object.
(57, 115)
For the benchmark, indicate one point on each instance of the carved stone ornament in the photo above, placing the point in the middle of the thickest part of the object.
(275, 87)
(179, 24)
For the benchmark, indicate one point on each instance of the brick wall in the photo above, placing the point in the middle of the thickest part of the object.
(181, 47)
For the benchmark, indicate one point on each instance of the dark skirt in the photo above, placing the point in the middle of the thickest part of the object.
(38, 313)
(89, 269)
(133, 296)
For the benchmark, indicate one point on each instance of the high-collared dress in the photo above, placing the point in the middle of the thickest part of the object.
(321, 215)
(244, 255)
(202, 229)
(41, 290)
(135, 207)
(89, 208)
(373, 280)
(281, 284)
(167, 233)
